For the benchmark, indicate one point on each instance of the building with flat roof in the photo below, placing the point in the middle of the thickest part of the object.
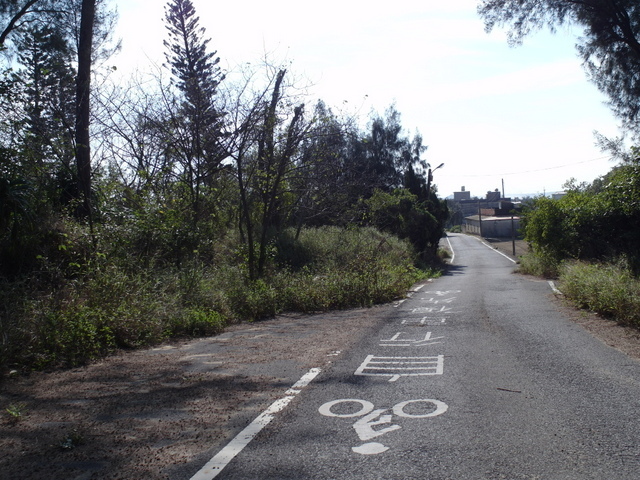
(461, 195)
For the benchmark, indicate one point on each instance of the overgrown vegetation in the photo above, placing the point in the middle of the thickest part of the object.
(608, 289)
(192, 201)
(589, 240)
(113, 303)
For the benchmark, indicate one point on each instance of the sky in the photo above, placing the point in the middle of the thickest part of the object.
(493, 114)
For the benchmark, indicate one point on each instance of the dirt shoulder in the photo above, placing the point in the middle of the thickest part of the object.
(160, 413)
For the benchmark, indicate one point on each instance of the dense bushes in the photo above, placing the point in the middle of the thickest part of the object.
(589, 240)
(608, 289)
(81, 312)
(419, 218)
(599, 222)
(173, 218)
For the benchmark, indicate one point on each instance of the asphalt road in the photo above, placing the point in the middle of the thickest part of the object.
(477, 376)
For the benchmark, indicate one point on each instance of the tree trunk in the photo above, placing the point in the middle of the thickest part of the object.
(83, 105)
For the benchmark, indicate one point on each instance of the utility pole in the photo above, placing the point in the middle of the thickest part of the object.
(513, 235)
(480, 217)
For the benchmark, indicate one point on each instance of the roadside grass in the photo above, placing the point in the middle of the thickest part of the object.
(540, 265)
(112, 305)
(605, 288)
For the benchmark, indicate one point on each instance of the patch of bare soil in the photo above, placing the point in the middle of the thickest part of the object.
(162, 413)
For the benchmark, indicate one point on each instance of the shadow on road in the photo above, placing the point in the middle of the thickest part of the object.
(454, 270)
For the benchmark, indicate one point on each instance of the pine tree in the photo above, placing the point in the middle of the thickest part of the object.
(198, 121)
(48, 94)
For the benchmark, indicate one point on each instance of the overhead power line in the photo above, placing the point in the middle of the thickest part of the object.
(530, 171)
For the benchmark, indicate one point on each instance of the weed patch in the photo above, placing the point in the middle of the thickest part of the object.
(109, 304)
(608, 289)
(538, 264)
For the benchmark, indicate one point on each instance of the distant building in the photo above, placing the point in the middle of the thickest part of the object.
(488, 217)
(558, 195)
(493, 196)
(465, 206)
(461, 195)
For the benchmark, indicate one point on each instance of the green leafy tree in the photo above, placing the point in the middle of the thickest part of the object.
(322, 190)
(590, 224)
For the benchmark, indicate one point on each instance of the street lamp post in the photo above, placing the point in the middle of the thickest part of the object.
(430, 178)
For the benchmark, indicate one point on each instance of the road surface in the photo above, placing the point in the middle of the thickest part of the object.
(478, 375)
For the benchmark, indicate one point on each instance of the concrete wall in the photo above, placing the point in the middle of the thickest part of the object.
(494, 227)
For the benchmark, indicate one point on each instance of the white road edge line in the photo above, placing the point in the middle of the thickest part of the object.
(554, 288)
(453, 254)
(214, 466)
(495, 250)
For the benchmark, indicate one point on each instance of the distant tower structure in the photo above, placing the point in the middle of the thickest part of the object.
(461, 195)
(493, 196)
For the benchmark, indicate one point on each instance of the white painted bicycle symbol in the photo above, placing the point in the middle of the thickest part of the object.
(372, 417)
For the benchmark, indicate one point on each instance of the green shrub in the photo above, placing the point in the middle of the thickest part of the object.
(608, 289)
(70, 337)
(103, 302)
(198, 322)
(539, 264)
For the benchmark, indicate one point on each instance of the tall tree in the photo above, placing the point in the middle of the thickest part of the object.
(276, 150)
(83, 104)
(321, 187)
(197, 124)
(265, 144)
(47, 81)
(610, 45)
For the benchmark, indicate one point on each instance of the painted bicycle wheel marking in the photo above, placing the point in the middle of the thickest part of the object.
(380, 418)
